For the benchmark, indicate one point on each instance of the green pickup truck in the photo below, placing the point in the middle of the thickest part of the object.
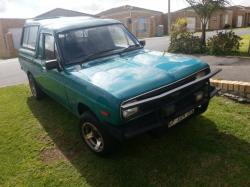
(100, 72)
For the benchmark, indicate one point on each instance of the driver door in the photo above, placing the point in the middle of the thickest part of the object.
(52, 80)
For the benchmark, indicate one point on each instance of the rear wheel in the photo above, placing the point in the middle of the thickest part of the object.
(95, 137)
(35, 90)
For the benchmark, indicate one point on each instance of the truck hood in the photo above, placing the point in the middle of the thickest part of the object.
(137, 72)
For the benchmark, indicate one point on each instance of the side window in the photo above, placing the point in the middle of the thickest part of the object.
(30, 37)
(49, 47)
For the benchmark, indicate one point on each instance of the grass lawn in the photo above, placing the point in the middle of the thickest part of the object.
(40, 146)
(244, 44)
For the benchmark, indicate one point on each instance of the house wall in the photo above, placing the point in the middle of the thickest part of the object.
(247, 23)
(236, 13)
(186, 14)
(245, 13)
(131, 19)
(217, 20)
(7, 48)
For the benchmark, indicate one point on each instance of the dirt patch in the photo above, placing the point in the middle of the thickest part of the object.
(51, 155)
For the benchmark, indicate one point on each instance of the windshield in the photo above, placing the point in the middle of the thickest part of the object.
(78, 45)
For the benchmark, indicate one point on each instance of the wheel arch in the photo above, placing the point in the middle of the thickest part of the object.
(81, 108)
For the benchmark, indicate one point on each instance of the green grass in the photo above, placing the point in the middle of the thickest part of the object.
(244, 44)
(40, 146)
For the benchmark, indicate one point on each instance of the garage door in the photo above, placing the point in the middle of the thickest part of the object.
(191, 23)
(16, 35)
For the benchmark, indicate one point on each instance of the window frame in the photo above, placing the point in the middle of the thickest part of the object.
(37, 37)
(40, 51)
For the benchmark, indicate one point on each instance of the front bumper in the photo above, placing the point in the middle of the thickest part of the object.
(176, 101)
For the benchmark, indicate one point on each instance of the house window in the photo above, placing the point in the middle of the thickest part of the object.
(206, 25)
(142, 27)
(214, 18)
(191, 23)
(239, 21)
(226, 19)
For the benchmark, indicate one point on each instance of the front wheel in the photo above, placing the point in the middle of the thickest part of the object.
(95, 137)
(202, 108)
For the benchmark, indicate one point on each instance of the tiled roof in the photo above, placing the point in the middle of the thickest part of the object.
(126, 7)
(57, 12)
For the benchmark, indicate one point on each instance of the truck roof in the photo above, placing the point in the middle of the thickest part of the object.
(60, 24)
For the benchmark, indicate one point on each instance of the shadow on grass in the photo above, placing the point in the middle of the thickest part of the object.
(192, 153)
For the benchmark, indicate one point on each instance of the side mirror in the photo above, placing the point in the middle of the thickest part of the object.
(142, 42)
(51, 64)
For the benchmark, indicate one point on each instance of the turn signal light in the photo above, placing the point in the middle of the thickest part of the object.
(104, 113)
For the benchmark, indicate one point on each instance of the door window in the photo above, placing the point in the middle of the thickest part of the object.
(49, 47)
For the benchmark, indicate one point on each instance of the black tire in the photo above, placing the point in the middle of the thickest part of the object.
(202, 108)
(99, 134)
(35, 90)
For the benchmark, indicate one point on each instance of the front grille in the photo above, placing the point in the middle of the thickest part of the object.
(183, 97)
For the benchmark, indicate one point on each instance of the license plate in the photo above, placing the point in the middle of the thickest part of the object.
(180, 118)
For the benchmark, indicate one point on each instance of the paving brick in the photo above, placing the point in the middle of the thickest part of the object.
(236, 87)
(230, 86)
(220, 85)
(241, 88)
(224, 86)
(247, 89)
(248, 96)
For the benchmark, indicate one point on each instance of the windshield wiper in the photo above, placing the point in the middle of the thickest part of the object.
(91, 56)
(131, 47)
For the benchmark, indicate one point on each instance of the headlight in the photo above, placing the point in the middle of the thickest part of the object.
(200, 74)
(129, 112)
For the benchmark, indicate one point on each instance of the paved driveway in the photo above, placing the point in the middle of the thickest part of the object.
(10, 73)
(158, 43)
(233, 68)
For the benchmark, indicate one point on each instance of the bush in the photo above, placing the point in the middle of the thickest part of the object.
(183, 41)
(223, 43)
(227, 26)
